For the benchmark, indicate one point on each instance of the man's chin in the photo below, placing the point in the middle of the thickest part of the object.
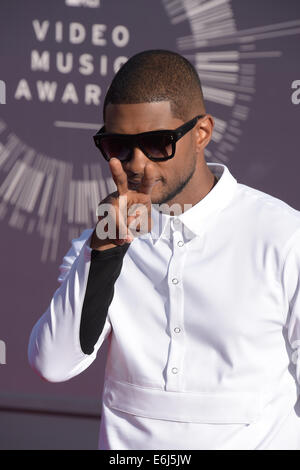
(160, 199)
(133, 187)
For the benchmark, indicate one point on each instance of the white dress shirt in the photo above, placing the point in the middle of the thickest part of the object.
(203, 328)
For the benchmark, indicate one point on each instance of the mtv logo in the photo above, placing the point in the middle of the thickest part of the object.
(83, 3)
(2, 92)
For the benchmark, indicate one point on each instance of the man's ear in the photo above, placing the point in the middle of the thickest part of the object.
(203, 130)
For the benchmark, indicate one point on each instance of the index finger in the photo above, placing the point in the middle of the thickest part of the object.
(149, 179)
(119, 175)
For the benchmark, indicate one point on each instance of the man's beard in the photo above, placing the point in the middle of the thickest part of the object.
(179, 187)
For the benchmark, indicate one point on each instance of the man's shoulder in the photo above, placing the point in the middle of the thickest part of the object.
(78, 243)
(265, 201)
(267, 214)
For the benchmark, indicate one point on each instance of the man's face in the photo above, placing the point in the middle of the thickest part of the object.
(172, 175)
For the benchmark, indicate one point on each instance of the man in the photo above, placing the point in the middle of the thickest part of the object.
(202, 309)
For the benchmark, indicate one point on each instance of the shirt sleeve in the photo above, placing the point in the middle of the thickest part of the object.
(104, 271)
(291, 289)
(54, 349)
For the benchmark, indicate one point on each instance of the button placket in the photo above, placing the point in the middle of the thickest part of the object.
(174, 378)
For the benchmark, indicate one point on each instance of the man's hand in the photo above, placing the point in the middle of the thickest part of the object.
(122, 210)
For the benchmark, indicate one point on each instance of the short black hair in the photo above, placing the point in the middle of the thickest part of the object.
(158, 75)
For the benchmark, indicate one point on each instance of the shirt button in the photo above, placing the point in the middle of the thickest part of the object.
(174, 370)
(180, 243)
(175, 280)
(176, 221)
(177, 330)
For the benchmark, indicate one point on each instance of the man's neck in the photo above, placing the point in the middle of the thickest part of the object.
(196, 190)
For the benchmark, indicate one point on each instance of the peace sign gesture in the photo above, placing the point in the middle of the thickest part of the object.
(128, 210)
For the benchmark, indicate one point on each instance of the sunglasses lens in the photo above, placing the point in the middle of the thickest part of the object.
(157, 146)
(116, 147)
(154, 145)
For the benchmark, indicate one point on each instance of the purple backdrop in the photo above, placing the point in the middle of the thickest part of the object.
(57, 59)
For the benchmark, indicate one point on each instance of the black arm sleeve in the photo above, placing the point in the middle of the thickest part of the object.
(104, 270)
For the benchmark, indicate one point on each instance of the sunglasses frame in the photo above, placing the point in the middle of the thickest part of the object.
(175, 135)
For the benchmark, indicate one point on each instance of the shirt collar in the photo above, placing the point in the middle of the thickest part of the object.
(195, 219)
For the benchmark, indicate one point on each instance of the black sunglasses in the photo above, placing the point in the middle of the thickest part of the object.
(156, 145)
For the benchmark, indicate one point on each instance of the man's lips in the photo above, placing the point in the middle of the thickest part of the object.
(135, 184)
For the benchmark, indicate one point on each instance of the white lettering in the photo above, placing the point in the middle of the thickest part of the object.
(86, 62)
(139, 224)
(40, 62)
(46, 90)
(58, 31)
(40, 30)
(49, 92)
(92, 94)
(23, 91)
(77, 33)
(295, 97)
(70, 94)
(2, 92)
(67, 67)
(120, 36)
(83, 3)
(2, 352)
(97, 34)
(128, 460)
(103, 65)
(119, 62)
(106, 227)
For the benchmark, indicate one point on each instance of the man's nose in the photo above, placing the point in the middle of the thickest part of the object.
(136, 164)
